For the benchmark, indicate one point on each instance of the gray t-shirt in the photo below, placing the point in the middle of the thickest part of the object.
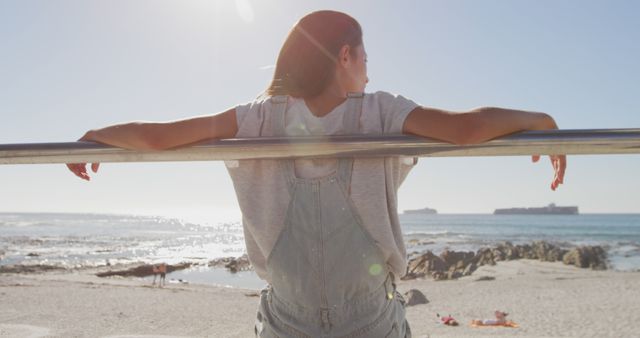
(262, 191)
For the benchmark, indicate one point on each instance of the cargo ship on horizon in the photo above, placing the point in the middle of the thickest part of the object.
(550, 209)
(423, 211)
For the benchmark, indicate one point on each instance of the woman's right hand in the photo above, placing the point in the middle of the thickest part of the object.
(80, 169)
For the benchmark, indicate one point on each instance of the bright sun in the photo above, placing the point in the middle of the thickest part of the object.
(244, 10)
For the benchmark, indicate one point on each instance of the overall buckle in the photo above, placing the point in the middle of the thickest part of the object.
(324, 316)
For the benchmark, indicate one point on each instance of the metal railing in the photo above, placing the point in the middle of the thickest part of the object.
(570, 142)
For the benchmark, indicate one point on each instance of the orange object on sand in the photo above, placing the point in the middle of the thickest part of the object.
(501, 320)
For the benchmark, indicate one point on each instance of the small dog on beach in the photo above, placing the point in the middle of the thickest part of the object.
(162, 270)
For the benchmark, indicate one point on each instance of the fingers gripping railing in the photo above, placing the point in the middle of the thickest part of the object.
(591, 141)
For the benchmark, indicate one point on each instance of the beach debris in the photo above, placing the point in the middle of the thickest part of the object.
(178, 281)
(252, 294)
(142, 270)
(233, 264)
(29, 268)
(484, 278)
(447, 320)
(455, 264)
(415, 297)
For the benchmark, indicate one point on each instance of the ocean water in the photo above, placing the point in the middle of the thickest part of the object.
(85, 240)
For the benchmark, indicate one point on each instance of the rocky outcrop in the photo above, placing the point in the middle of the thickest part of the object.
(586, 257)
(233, 264)
(142, 270)
(455, 264)
(424, 264)
(29, 268)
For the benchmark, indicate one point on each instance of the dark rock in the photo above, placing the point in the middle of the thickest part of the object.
(456, 262)
(484, 256)
(484, 278)
(423, 265)
(454, 257)
(586, 257)
(541, 250)
(454, 274)
(526, 251)
(233, 264)
(142, 270)
(498, 255)
(469, 269)
(555, 254)
(415, 297)
(31, 268)
(33, 254)
(439, 275)
(510, 252)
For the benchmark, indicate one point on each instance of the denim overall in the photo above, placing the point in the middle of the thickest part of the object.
(328, 276)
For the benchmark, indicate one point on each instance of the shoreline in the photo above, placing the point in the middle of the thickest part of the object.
(544, 298)
(448, 264)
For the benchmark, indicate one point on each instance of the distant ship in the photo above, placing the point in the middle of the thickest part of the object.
(551, 209)
(424, 211)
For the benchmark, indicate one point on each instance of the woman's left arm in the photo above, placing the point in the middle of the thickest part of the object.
(481, 125)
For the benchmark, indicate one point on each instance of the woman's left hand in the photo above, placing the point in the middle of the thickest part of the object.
(559, 163)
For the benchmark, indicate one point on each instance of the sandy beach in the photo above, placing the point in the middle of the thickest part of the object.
(545, 299)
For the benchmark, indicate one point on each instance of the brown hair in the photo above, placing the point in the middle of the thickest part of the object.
(306, 62)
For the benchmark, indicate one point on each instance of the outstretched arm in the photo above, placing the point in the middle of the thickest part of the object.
(475, 126)
(159, 135)
(166, 135)
(481, 125)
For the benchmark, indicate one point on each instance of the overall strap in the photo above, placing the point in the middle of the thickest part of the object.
(351, 127)
(278, 121)
(278, 124)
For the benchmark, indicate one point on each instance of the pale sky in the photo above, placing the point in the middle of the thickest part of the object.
(69, 66)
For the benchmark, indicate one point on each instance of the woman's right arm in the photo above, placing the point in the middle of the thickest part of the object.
(159, 135)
